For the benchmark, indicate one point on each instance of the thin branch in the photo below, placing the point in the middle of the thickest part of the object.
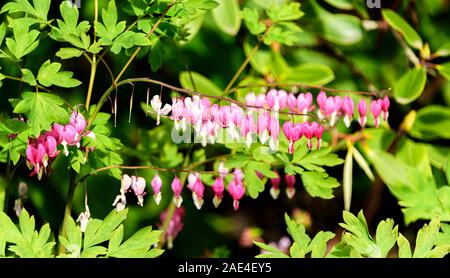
(147, 36)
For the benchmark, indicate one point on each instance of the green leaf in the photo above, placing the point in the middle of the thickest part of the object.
(415, 155)
(100, 231)
(297, 232)
(115, 240)
(319, 184)
(341, 29)
(10, 233)
(272, 251)
(42, 110)
(314, 159)
(386, 236)
(404, 248)
(108, 31)
(432, 122)
(410, 86)
(318, 244)
(252, 21)
(129, 39)
(358, 236)
(227, 17)
(68, 52)
(50, 74)
(363, 164)
(426, 239)
(254, 185)
(444, 70)
(138, 245)
(310, 74)
(348, 178)
(28, 77)
(3, 30)
(40, 9)
(444, 50)
(341, 4)
(199, 83)
(400, 25)
(24, 41)
(284, 11)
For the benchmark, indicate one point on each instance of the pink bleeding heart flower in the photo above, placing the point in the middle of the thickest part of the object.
(260, 100)
(309, 132)
(276, 99)
(35, 154)
(304, 103)
(318, 132)
(293, 132)
(236, 191)
(290, 185)
(225, 116)
(218, 188)
(385, 107)
(177, 188)
(250, 99)
(321, 101)
(263, 125)
(78, 121)
(197, 192)
(362, 110)
(159, 109)
(156, 184)
(347, 108)
(247, 129)
(138, 186)
(292, 102)
(274, 132)
(126, 183)
(67, 136)
(50, 145)
(275, 182)
(375, 108)
(238, 175)
(332, 108)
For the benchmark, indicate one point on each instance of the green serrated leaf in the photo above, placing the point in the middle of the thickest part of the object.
(386, 236)
(50, 74)
(404, 248)
(42, 110)
(319, 184)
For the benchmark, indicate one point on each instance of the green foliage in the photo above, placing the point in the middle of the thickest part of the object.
(358, 242)
(302, 244)
(50, 74)
(42, 110)
(38, 10)
(410, 86)
(432, 122)
(198, 83)
(400, 25)
(24, 41)
(226, 16)
(411, 187)
(26, 242)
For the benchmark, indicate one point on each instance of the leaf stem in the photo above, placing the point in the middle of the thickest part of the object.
(93, 62)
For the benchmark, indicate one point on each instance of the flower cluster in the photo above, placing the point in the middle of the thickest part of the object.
(290, 181)
(208, 119)
(136, 185)
(175, 225)
(44, 149)
(260, 119)
(236, 188)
